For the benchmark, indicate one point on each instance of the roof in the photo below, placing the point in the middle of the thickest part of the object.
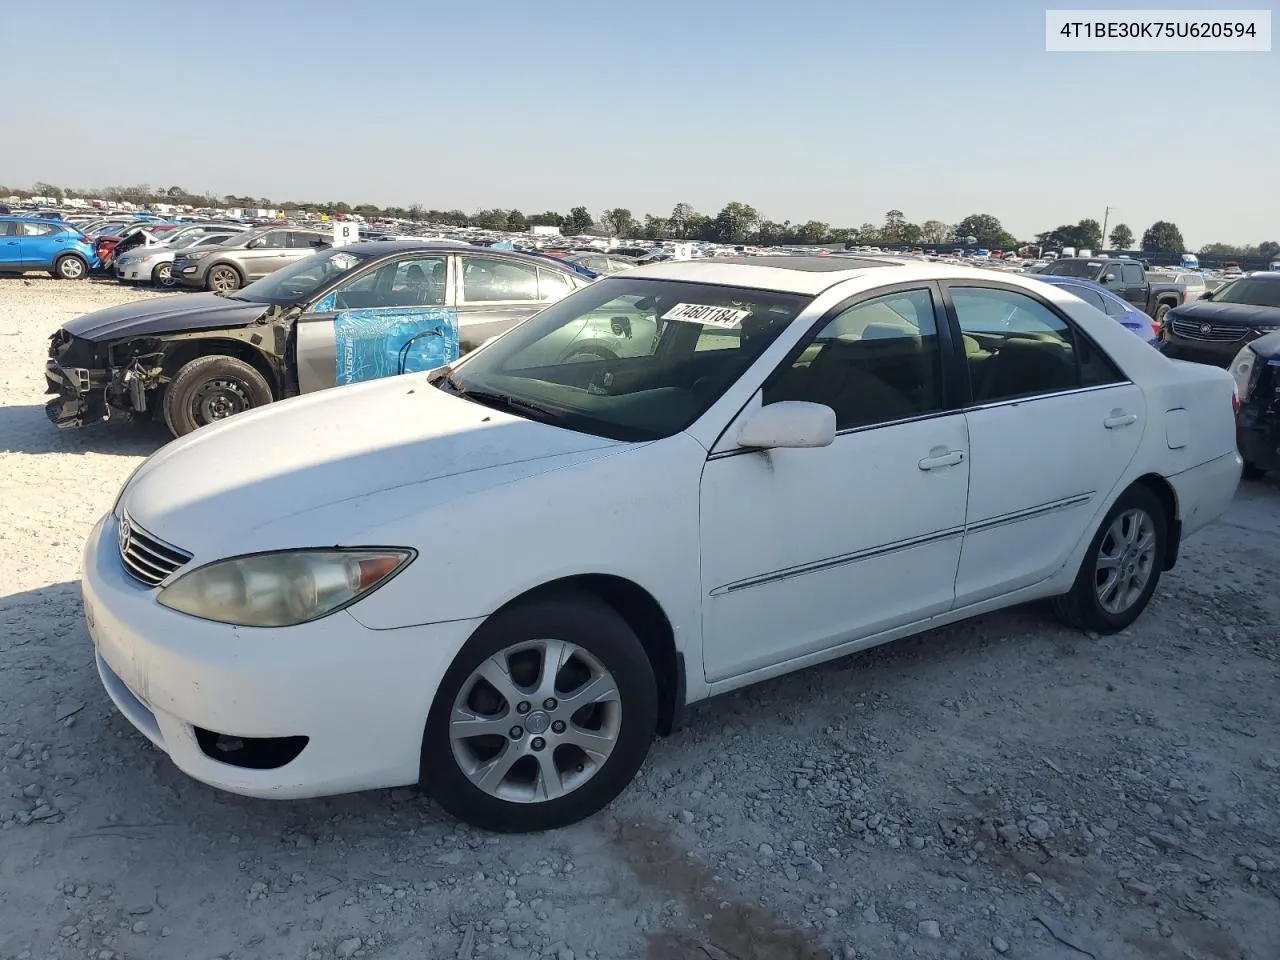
(807, 275)
(389, 248)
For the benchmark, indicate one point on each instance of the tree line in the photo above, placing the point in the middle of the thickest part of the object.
(736, 223)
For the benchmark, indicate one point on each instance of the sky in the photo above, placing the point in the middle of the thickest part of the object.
(835, 111)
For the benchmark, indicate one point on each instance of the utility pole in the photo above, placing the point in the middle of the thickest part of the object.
(1105, 216)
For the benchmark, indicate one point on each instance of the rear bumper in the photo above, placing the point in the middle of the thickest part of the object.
(1205, 492)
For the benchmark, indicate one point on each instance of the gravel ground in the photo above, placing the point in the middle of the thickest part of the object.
(1001, 787)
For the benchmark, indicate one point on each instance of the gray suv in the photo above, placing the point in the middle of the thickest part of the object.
(248, 257)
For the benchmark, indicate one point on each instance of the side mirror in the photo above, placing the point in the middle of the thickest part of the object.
(1109, 278)
(256, 242)
(789, 423)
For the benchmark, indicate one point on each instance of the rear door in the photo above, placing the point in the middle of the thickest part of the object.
(265, 254)
(495, 293)
(301, 244)
(1135, 284)
(395, 317)
(1052, 424)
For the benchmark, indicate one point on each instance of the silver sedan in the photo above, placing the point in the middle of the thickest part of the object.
(154, 264)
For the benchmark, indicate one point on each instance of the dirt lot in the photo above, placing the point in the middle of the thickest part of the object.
(1002, 787)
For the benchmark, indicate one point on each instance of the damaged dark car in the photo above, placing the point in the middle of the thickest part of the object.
(345, 315)
(1257, 372)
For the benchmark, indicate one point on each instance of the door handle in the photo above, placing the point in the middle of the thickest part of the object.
(1119, 418)
(941, 457)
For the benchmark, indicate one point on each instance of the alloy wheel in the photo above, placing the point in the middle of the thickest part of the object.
(535, 721)
(1126, 560)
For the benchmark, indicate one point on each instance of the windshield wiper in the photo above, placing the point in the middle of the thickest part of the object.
(501, 401)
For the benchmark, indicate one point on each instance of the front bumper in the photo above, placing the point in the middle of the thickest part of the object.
(360, 697)
(190, 274)
(133, 271)
(80, 393)
(1201, 351)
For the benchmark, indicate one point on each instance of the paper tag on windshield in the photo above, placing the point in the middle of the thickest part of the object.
(704, 313)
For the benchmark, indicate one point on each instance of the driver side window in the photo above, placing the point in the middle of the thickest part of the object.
(275, 240)
(876, 362)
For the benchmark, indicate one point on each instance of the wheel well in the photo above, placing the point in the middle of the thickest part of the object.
(70, 253)
(228, 263)
(180, 354)
(646, 617)
(1169, 500)
(1167, 299)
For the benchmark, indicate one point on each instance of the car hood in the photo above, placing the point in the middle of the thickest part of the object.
(259, 480)
(1240, 313)
(174, 314)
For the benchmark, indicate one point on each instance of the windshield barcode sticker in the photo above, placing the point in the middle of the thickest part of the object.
(704, 313)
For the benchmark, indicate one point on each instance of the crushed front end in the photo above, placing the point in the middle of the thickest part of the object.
(95, 381)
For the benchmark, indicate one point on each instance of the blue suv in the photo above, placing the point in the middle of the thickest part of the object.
(50, 245)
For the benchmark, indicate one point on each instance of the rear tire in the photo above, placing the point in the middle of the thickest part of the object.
(1161, 310)
(223, 278)
(69, 266)
(529, 773)
(1121, 568)
(210, 389)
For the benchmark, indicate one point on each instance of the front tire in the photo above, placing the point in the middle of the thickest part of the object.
(210, 389)
(1252, 471)
(70, 267)
(223, 278)
(543, 718)
(162, 275)
(1121, 568)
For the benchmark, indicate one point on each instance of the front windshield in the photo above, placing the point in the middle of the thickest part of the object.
(1253, 291)
(299, 281)
(627, 358)
(1084, 269)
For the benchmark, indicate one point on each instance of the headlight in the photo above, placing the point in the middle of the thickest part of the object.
(1246, 369)
(282, 589)
(196, 256)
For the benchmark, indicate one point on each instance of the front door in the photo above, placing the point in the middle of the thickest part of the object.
(1135, 284)
(394, 318)
(803, 550)
(1052, 426)
(10, 245)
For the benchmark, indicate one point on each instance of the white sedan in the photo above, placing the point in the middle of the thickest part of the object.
(501, 578)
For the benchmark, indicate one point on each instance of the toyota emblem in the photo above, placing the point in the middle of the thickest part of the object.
(124, 536)
(1206, 328)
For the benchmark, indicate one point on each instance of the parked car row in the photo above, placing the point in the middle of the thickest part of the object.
(339, 316)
